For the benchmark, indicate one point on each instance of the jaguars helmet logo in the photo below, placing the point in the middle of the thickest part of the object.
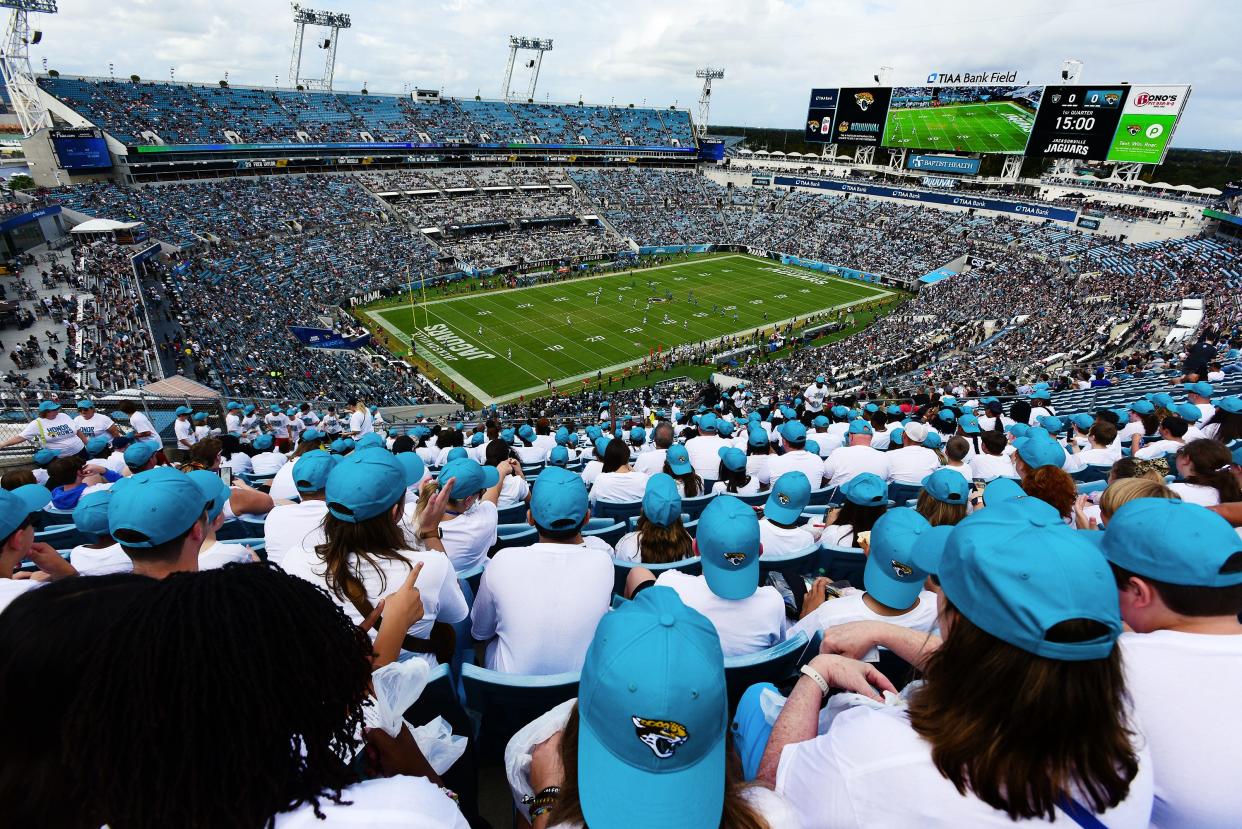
(783, 497)
(903, 571)
(663, 737)
(1133, 129)
(736, 559)
(1111, 98)
(813, 124)
(864, 101)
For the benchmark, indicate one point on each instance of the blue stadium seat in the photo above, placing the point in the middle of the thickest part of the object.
(756, 500)
(62, 535)
(504, 703)
(515, 514)
(608, 530)
(515, 535)
(1091, 472)
(694, 506)
(800, 562)
(616, 509)
(823, 495)
(900, 493)
(843, 563)
(775, 665)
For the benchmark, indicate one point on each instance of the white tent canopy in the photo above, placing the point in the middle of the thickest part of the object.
(103, 226)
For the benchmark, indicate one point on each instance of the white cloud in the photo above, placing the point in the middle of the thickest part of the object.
(773, 51)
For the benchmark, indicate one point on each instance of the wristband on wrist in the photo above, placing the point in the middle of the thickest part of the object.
(817, 678)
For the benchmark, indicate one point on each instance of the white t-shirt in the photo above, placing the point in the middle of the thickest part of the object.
(852, 608)
(650, 462)
(406, 802)
(10, 589)
(845, 778)
(619, 487)
(757, 467)
(360, 423)
(745, 626)
(232, 422)
(538, 606)
(988, 467)
(291, 526)
(91, 562)
(268, 463)
(533, 454)
(220, 554)
(911, 464)
(814, 396)
(58, 434)
(1194, 737)
(1205, 496)
(751, 487)
(239, 462)
(282, 487)
(279, 424)
(468, 537)
(140, 423)
(1089, 457)
(773, 808)
(704, 452)
(838, 535)
(846, 463)
(437, 583)
(1158, 449)
(513, 491)
(797, 460)
(97, 425)
(779, 541)
(591, 471)
(183, 431)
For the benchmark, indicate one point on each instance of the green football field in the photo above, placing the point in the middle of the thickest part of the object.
(568, 331)
(1001, 127)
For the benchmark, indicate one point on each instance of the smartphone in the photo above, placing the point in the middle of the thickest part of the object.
(226, 475)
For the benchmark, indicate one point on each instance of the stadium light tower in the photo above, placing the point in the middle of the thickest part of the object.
(708, 74)
(538, 45)
(331, 21)
(15, 63)
(1070, 70)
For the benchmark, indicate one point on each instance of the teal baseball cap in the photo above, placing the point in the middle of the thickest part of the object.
(1189, 412)
(414, 467)
(707, 423)
(890, 575)
(1017, 571)
(1176, 542)
(839, 411)
(1232, 404)
(248, 408)
(90, 516)
(812, 446)
(183, 410)
(866, 489)
(933, 440)
(733, 459)
(1039, 451)
(724, 428)
(820, 379)
(653, 718)
(601, 446)
(363, 485)
(19, 504)
(1041, 394)
(678, 460)
(947, 415)
(1002, 489)
(1018, 430)
(661, 500)
(820, 422)
(139, 454)
(558, 500)
(559, 456)
(1083, 421)
(1143, 407)
(264, 442)
(871, 408)
(526, 432)
(789, 496)
(897, 438)
(154, 507)
(233, 405)
(97, 444)
(214, 490)
(860, 427)
(477, 439)
(969, 424)
(199, 417)
(85, 403)
(456, 453)
(793, 432)
(638, 435)
(311, 470)
(312, 434)
(471, 477)
(728, 543)
(893, 409)
(1201, 388)
(342, 446)
(947, 486)
(370, 439)
(757, 437)
(928, 548)
(48, 406)
(1052, 424)
(275, 408)
(1163, 400)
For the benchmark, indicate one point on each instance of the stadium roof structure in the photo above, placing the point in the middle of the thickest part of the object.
(103, 226)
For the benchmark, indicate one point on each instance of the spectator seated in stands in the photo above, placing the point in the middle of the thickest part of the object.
(660, 537)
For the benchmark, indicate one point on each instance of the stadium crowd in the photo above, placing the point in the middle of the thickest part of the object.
(669, 542)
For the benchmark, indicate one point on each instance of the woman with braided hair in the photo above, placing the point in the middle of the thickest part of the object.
(235, 698)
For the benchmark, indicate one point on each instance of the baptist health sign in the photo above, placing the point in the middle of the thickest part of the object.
(943, 164)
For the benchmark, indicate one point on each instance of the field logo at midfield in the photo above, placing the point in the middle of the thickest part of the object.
(441, 340)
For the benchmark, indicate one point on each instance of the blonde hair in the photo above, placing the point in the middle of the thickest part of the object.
(1126, 490)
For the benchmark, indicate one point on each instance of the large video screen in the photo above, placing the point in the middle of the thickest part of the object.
(1148, 119)
(1077, 122)
(861, 112)
(81, 149)
(964, 119)
(819, 116)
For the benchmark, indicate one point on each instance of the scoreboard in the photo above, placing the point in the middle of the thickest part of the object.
(1076, 122)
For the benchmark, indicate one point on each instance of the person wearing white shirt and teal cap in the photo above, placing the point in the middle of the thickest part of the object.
(51, 429)
(856, 456)
(364, 556)
(558, 456)
(468, 527)
(41, 459)
(1200, 395)
(17, 510)
(647, 742)
(1178, 570)
(102, 554)
(893, 584)
(815, 394)
(660, 537)
(300, 524)
(159, 517)
(796, 457)
(944, 498)
(538, 606)
(677, 464)
(140, 457)
(91, 423)
(1029, 616)
(732, 477)
(267, 461)
(183, 430)
(747, 617)
(779, 529)
(212, 553)
(703, 448)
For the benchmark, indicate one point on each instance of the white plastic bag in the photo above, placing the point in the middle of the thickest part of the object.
(398, 685)
(438, 744)
(522, 744)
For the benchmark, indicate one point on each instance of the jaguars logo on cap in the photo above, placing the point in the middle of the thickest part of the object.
(903, 571)
(864, 100)
(783, 497)
(1133, 129)
(661, 736)
(736, 559)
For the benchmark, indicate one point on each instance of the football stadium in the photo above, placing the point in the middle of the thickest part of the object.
(381, 446)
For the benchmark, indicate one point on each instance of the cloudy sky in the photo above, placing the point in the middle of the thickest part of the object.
(773, 51)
